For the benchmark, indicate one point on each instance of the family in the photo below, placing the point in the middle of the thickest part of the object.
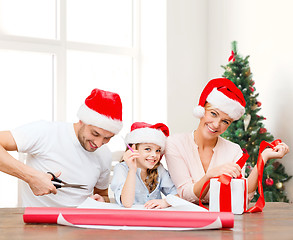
(78, 153)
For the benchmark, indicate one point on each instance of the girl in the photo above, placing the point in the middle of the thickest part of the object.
(196, 157)
(140, 177)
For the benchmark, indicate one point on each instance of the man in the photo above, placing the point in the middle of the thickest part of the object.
(74, 151)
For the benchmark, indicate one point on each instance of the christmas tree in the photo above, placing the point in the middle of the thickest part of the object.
(249, 131)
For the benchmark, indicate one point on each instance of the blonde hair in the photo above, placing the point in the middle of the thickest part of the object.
(208, 106)
(151, 180)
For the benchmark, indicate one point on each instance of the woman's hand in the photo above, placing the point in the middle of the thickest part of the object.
(230, 169)
(277, 152)
(130, 158)
(156, 204)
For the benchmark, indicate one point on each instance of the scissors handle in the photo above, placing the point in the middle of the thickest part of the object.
(58, 182)
(55, 179)
(57, 185)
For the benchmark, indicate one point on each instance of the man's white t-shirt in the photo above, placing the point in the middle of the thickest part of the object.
(53, 147)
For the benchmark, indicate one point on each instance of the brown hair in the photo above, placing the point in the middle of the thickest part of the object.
(151, 180)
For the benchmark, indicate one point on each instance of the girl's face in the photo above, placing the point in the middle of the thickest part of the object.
(214, 123)
(149, 155)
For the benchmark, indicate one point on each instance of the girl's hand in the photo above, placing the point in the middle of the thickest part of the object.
(98, 198)
(230, 169)
(278, 152)
(156, 204)
(130, 158)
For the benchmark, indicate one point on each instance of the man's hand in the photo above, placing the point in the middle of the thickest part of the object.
(41, 184)
(98, 198)
(103, 193)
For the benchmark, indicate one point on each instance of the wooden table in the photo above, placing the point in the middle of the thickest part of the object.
(276, 222)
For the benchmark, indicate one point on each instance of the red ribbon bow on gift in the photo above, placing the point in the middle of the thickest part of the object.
(225, 190)
(232, 57)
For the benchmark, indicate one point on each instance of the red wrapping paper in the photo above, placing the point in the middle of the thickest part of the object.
(121, 217)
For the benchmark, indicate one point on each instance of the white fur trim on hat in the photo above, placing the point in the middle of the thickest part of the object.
(227, 105)
(91, 117)
(147, 135)
(198, 111)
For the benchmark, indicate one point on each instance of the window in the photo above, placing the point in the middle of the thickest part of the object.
(53, 53)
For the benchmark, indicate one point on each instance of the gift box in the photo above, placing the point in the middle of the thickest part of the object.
(231, 197)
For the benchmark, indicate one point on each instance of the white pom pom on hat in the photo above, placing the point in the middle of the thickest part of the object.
(142, 132)
(222, 94)
(102, 109)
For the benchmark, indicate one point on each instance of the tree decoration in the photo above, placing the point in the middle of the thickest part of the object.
(269, 181)
(262, 130)
(279, 185)
(246, 121)
(249, 131)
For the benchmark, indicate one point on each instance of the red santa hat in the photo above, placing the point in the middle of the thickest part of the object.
(222, 94)
(142, 132)
(102, 109)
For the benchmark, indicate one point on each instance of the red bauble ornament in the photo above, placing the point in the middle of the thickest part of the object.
(258, 104)
(263, 130)
(269, 182)
(251, 89)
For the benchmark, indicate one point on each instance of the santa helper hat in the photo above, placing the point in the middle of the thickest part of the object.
(222, 94)
(142, 132)
(102, 109)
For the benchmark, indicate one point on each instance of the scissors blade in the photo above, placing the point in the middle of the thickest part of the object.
(74, 186)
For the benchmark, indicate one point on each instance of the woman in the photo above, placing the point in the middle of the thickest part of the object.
(194, 158)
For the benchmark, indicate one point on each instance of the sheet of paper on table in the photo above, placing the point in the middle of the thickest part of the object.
(177, 204)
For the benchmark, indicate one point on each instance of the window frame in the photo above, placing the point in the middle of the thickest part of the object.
(59, 47)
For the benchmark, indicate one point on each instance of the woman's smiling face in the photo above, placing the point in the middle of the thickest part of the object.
(214, 122)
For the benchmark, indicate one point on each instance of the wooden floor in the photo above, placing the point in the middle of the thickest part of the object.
(276, 222)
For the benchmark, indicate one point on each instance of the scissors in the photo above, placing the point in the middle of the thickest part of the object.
(58, 183)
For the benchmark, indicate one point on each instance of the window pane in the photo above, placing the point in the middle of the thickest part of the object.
(25, 96)
(101, 22)
(87, 71)
(30, 18)
(26, 87)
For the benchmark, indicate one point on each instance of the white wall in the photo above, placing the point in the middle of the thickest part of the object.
(199, 42)
(186, 60)
(153, 62)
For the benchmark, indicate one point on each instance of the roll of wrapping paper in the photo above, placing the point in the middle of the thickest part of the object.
(124, 217)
